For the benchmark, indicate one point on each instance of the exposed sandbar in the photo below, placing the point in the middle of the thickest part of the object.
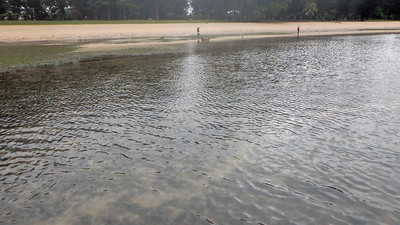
(99, 37)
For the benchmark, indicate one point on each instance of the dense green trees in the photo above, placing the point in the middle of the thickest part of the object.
(269, 10)
(236, 10)
(92, 9)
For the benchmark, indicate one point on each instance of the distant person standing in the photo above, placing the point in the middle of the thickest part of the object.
(198, 31)
(298, 30)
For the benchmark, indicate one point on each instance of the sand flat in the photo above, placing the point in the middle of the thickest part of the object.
(147, 32)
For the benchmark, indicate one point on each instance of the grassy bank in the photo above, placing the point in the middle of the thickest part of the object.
(82, 22)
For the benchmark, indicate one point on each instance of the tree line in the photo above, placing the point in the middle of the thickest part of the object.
(233, 10)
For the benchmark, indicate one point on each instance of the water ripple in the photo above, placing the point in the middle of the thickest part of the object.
(263, 132)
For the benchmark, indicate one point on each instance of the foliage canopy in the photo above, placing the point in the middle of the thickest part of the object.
(233, 10)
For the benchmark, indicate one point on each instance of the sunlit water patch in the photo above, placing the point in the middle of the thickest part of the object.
(265, 132)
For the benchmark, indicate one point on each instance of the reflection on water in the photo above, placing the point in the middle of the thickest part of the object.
(262, 132)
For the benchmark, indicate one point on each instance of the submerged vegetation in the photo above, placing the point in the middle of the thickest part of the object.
(25, 54)
(15, 56)
(232, 10)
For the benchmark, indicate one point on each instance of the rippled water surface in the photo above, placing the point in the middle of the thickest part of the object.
(262, 132)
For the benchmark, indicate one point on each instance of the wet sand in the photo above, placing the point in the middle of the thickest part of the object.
(122, 36)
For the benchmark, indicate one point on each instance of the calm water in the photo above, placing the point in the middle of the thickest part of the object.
(263, 132)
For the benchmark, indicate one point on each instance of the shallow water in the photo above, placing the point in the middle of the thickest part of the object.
(264, 132)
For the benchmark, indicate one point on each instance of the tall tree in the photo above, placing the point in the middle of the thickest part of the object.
(4, 7)
(56, 8)
(15, 9)
(391, 8)
(311, 9)
(244, 10)
(366, 9)
(80, 9)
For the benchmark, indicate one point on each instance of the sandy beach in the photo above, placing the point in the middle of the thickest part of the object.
(121, 36)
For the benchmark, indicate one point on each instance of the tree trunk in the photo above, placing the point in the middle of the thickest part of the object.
(157, 12)
(124, 14)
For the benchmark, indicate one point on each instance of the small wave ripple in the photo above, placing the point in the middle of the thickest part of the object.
(262, 132)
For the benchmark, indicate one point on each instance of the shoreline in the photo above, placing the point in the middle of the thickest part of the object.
(103, 37)
(38, 45)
